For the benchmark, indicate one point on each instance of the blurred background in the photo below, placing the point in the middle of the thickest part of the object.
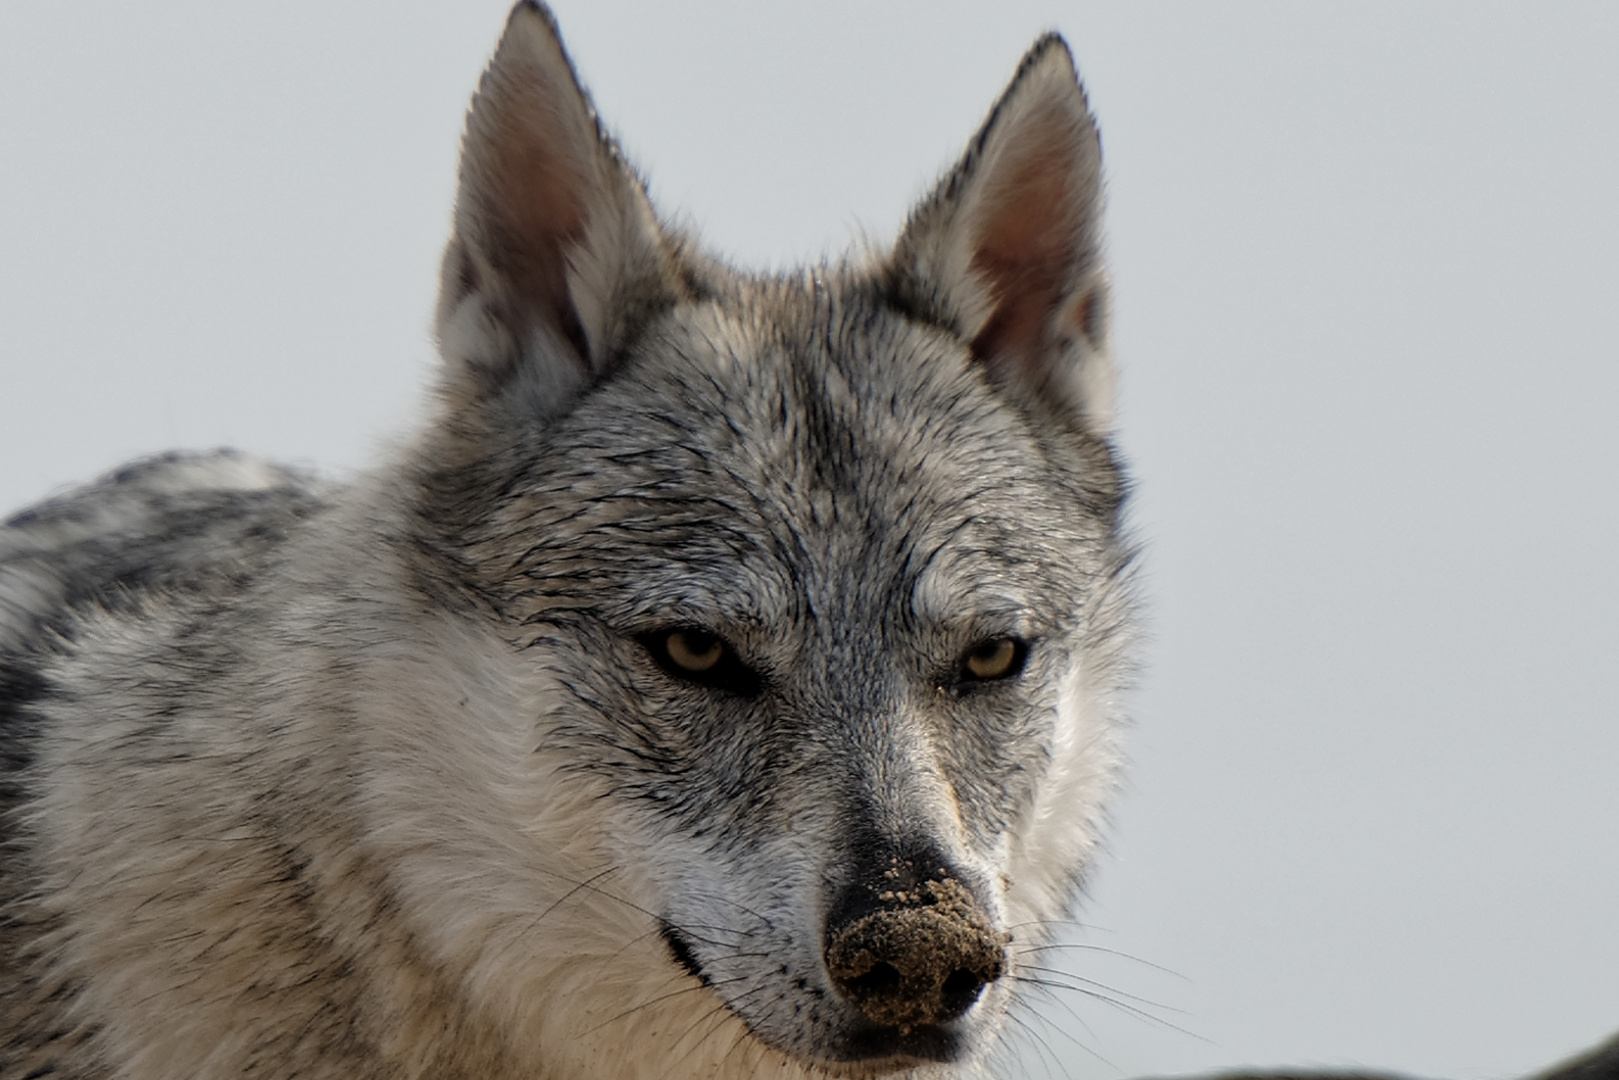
(1367, 269)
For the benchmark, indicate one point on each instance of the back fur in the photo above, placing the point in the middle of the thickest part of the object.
(718, 625)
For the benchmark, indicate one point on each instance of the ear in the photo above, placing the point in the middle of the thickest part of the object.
(1007, 251)
(556, 254)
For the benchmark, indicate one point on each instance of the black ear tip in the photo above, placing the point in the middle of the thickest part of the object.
(1047, 47)
(535, 9)
(1050, 60)
(1051, 39)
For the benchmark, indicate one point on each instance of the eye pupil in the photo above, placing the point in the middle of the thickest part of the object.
(693, 650)
(997, 658)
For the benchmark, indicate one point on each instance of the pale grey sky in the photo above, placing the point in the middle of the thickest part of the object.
(1367, 264)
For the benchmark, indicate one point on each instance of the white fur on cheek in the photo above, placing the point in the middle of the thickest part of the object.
(1064, 826)
(510, 869)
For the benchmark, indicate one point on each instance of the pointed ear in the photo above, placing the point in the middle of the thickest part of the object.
(1007, 251)
(556, 254)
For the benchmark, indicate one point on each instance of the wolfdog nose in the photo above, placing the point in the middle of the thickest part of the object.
(910, 950)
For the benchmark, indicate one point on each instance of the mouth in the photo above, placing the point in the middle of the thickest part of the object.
(680, 949)
(890, 1049)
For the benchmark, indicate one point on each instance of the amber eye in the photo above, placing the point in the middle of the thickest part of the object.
(698, 656)
(693, 650)
(997, 658)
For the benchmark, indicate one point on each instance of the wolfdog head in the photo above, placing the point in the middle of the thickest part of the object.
(810, 595)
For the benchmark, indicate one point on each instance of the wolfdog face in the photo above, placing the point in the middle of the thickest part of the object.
(724, 683)
(815, 581)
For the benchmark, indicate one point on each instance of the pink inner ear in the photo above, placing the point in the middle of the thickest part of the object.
(1026, 251)
(535, 207)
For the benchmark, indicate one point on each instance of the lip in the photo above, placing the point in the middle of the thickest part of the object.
(680, 949)
(889, 1049)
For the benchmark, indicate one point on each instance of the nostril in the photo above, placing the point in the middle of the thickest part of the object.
(881, 979)
(960, 989)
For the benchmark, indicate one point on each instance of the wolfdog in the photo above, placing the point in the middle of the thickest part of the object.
(723, 683)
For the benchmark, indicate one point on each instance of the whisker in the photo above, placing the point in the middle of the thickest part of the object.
(1104, 987)
(647, 1004)
(1097, 995)
(1049, 995)
(1080, 946)
(718, 1015)
(1048, 1054)
(588, 883)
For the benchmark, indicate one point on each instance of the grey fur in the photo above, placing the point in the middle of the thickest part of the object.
(397, 780)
